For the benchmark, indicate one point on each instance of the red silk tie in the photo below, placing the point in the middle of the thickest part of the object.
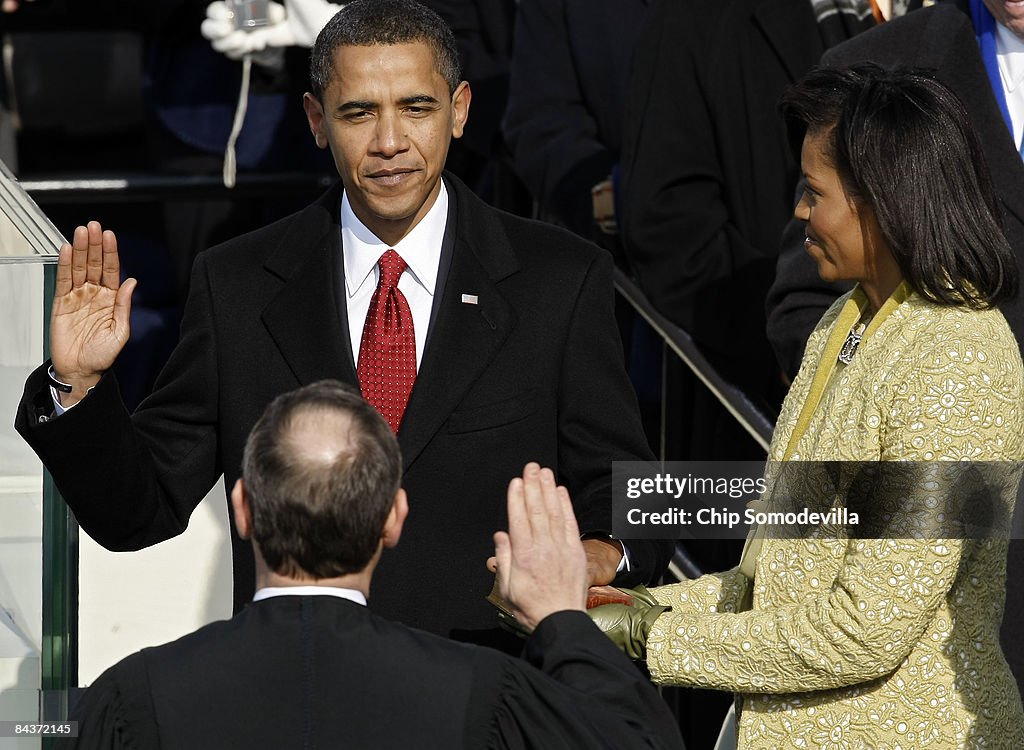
(387, 352)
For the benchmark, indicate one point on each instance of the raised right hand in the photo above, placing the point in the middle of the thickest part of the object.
(89, 318)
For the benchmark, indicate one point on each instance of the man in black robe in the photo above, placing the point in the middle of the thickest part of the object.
(308, 665)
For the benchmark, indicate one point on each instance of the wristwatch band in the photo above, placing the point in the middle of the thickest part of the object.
(58, 384)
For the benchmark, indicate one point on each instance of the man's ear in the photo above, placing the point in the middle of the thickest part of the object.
(242, 510)
(396, 518)
(460, 105)
(315, 118)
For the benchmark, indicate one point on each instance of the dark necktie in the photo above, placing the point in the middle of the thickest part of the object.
(387, 352)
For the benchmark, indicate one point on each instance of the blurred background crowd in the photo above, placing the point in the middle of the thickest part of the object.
(646, 126)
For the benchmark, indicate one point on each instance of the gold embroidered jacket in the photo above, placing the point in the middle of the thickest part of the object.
(870, 643)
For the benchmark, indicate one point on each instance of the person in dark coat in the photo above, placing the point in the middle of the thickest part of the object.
(308, 664)
(515, 356)
(707, 175)
(567, 102)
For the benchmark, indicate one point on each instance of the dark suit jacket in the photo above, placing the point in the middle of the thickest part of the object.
(707, 173)
(318, 671)
(532, 372)
(940, 38)
(568, 93)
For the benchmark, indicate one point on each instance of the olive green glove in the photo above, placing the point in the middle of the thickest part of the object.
(629, 626)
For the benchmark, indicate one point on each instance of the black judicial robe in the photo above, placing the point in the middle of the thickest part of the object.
(319, 671)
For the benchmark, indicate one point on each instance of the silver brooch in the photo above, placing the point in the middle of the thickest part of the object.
(851, 344)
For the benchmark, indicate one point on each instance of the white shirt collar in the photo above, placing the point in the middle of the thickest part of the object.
(1010, 54)
(350, 594)
(420, 249)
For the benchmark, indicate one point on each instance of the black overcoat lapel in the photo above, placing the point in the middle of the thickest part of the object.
(303, 318)
(467, 333)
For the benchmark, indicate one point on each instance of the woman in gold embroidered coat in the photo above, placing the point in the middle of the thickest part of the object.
(846, 643)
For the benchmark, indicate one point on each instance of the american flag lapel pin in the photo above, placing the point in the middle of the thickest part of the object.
(470, 299)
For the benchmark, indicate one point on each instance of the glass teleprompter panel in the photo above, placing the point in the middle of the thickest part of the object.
(25, 232)
(29, 246)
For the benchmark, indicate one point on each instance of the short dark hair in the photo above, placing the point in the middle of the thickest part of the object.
(320, 513)
(365, 23)
(903, 145)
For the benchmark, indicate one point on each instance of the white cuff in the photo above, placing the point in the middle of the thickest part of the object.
(58, 407)
(624, 564)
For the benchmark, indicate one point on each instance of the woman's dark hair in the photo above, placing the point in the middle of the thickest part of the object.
(903, 145)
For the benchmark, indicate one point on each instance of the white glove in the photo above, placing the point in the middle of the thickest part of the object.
(296, 23)
(219, 28)
(307, 17)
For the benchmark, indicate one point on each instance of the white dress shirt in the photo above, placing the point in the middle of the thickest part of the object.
(1010, 54)
(421, 251)
(350, 594)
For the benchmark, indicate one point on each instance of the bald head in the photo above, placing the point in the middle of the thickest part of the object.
(318, 436)
(321, 470)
